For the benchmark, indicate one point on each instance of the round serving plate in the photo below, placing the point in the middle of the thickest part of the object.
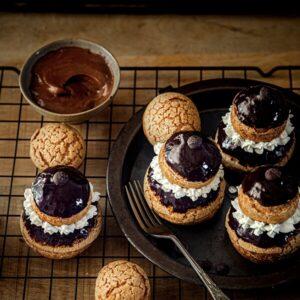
(207, 242)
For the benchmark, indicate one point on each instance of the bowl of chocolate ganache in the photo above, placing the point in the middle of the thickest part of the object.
(70, 80)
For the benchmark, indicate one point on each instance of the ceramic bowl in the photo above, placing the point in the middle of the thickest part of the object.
(26, 74)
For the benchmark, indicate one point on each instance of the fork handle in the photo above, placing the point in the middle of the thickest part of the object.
(213, 289)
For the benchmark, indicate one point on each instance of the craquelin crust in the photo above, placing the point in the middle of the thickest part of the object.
(57, 221)
(262, 255)
(56, 144)
(62, 252)
(268, 214)
(168, 113)
(174, 177)
(122, 280)
(234, 164)
(192, 216)
(254, 134)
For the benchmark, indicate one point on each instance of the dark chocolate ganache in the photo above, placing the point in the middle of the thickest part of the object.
(253, 159)
(180, 205)
(61, 191)
(56, 239)
(193, 156)
(70, 80)
(270, 186)
(262, 240)
(261, 107)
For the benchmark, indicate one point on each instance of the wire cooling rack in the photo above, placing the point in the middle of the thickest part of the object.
(26, 275)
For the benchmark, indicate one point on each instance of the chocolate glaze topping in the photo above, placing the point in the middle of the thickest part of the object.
(61, 191)
(261, 107)
(57, 239)
(263, 240)
(179, 205)
(254, 159)
(270, 186)
(70, 80)
(192, 156)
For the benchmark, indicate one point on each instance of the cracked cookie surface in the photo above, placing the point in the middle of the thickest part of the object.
(168, 113)
(122, 280)
(56, 144)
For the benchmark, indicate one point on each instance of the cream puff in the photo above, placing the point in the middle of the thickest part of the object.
(263, 222)
(257, 130)
(184, 183)
(168, 113)
(61, 216)
(122, 280)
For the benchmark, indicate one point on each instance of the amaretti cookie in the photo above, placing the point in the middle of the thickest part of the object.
(168, 113)
(257, 130)
(184, 183)
(122, 280)
(57, 144)
(61, 215)
(263, 222)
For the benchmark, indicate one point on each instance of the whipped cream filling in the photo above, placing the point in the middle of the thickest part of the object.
(177, 190)
(235, 140)
(64, 229)
(259, 228)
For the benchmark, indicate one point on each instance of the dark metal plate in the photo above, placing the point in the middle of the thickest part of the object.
(129, 160)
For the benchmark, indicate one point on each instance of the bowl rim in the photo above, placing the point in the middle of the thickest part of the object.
(61, 43)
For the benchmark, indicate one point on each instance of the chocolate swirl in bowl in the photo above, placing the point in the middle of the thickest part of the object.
(70, 80)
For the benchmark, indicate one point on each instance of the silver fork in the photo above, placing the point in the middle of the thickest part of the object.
(153, 226)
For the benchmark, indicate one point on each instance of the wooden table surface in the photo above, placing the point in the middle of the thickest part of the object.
(135, 41)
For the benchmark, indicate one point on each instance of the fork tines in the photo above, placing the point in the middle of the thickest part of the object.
(144, 215)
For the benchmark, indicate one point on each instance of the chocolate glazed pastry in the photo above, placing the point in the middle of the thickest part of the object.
(70, 80)
(270, 186)
(192, 156)
(254, 159)
(183, 204)
(263, 240)
(61, 191)
(261, 107)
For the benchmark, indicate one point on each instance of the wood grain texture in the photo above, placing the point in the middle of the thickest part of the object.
(159, 39)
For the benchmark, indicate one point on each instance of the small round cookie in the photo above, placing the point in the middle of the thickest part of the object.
(168, 113)
(56, 246)
(268, 195)
(183, 211)
(262, 254)
(61, 195)
(259, 113)
(189, 160)
(57, 144)
(239, 160)
(122, 280)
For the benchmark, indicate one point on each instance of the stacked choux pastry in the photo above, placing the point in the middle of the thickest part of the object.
(61, 216)
(257, 130)
(263, 222)
(184, 183)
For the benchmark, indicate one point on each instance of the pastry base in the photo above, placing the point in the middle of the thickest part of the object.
(234, 164)
(262, 255)
(192, 216)
(62, 252)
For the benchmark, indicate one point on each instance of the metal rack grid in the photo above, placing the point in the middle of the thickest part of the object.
(26, 275)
